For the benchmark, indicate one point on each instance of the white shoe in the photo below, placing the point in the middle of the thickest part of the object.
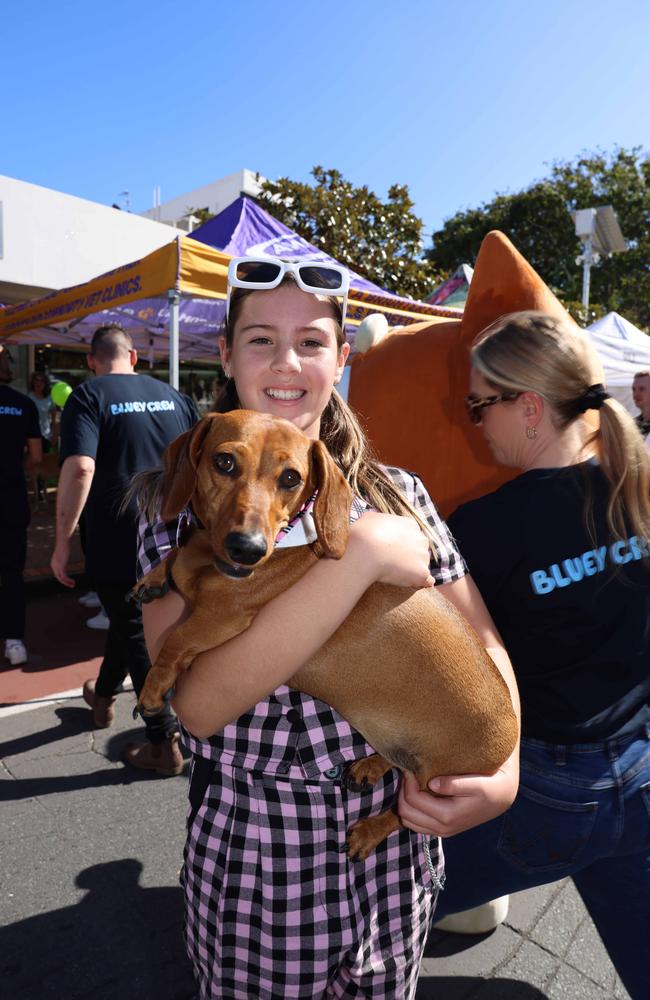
(15, 652)
(90, 600)
(101, 620)
(478, 920)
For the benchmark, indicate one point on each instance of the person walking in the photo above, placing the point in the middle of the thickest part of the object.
(19, 430)
(39, 393)
(113, 427)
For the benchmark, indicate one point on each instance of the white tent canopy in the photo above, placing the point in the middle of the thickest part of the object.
(624, 350)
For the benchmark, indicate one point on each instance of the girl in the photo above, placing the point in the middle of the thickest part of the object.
(39, 393)
(560, 555)
(273, 907)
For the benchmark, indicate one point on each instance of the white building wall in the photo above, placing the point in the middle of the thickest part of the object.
(215, 197)
(50, 240)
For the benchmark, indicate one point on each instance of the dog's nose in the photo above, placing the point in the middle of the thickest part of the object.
(245, 549)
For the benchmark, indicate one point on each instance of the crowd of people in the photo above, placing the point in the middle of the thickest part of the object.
(550, 570)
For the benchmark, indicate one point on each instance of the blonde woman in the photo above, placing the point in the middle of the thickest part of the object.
(560, 555)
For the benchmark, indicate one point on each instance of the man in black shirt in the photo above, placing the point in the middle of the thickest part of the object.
(113, 427)
(19, 427)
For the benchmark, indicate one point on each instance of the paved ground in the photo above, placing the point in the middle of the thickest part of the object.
(90, 907)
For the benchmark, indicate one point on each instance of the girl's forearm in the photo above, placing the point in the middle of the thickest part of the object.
(225, 682)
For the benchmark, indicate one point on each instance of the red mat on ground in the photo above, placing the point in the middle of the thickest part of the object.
(63, 651)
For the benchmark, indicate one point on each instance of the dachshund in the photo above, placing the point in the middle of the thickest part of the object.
(405, 669)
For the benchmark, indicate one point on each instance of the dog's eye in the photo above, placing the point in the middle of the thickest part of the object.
(224, 463)
(289, 479)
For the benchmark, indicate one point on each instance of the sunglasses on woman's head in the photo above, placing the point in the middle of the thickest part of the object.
(476, 404)
(260, 273)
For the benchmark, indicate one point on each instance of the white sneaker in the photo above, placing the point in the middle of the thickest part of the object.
(101, 620)
(15, 652)
(90, 600)
(478, 920)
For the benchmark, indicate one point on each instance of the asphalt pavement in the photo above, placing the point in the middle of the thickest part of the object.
(90, 905)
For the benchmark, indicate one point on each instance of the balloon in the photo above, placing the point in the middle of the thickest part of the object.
(60, 393)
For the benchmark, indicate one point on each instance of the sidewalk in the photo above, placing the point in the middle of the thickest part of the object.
(40, 540)
(90, 907)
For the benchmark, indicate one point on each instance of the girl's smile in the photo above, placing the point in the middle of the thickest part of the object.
(288, 395)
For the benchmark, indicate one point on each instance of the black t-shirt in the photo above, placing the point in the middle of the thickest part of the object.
(572, 604)
(123, 422)
(18, 423)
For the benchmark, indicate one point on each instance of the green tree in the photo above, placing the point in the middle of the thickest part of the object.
(538, 222)
(381, 240)
(203, 215)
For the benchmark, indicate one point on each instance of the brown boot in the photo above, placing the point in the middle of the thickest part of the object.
(164, 758)
(102, 708)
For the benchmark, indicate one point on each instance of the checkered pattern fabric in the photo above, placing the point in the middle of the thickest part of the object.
(274, 908)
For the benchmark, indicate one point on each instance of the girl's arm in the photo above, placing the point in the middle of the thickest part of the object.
(225, 682)
(460, 802)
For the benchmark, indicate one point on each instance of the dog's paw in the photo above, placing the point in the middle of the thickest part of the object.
(143, 709)
(359, 845)
(354, 783)
(362, 774)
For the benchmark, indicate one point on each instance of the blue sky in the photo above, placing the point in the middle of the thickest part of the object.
(458, 101)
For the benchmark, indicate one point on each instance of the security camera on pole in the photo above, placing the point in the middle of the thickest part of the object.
(600, 234)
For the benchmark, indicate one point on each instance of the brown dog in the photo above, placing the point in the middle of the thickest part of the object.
(405, 669)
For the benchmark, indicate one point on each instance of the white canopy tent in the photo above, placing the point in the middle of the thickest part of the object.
(624, 350)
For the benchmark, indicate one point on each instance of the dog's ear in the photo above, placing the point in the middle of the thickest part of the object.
(332, 504)
(181, 458)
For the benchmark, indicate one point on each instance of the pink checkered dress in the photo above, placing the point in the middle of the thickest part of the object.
(274, 907)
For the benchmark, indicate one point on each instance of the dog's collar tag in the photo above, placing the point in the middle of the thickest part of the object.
(301, 530)
(183, 528)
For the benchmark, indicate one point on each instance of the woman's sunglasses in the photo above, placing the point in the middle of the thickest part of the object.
(476, 404)
(259, 273)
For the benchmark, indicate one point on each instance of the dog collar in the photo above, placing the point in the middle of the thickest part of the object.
(301, 529)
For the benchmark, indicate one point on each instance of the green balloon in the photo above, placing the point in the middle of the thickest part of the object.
(60, 393)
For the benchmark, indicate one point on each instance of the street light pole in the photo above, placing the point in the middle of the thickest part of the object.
(587, 258)
(599, 232)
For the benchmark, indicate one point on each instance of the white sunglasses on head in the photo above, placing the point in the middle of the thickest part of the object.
(259, 273)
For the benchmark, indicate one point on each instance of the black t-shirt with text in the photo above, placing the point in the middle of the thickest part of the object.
(572, 602)
(123, 422)
(18, 423)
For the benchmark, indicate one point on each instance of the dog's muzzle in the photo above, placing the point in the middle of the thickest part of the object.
(244, 550)
(236, 572)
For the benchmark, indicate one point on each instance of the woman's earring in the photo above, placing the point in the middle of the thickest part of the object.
(226, 371)
(531, 432)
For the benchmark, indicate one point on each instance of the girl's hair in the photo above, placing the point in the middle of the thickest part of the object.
(46, 382)
(530, 351)
(340, 430)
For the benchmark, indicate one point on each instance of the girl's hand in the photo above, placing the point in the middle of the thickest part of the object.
(393, 549)
(459, 802)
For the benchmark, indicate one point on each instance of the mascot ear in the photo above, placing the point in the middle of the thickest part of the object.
(333, 502)
(181, 459)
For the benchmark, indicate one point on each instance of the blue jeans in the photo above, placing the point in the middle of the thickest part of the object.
(582, 811)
